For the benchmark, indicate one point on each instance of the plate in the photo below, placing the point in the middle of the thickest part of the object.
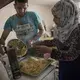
(34, 66)
(47, 38)
(21, 48)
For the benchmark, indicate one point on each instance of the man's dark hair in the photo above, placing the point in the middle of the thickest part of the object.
(21, 1)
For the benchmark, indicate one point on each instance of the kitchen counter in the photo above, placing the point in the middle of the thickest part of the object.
(47, 74)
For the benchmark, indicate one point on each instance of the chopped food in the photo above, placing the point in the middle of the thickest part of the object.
(33, 66)
(19, 45)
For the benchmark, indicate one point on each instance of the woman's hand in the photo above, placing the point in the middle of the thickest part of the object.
(42, 49)
(47, 55)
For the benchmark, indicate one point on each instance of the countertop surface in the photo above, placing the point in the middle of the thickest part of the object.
(39, 77)
(47, 74)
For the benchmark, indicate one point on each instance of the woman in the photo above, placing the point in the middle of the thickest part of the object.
(66, 39)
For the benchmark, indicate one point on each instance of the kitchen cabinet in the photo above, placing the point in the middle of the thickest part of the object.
(53, 75)
(50, 76)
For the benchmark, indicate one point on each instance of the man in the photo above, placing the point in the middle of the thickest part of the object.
(26, 24)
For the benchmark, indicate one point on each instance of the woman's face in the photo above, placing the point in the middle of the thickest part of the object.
(56, 19)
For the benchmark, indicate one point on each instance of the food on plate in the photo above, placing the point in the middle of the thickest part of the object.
(33, 66)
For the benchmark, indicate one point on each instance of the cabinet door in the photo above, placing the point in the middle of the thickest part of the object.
(50, 76)
(56, 74)
(53, 75)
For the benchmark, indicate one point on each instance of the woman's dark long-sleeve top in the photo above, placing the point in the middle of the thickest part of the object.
(69, 50)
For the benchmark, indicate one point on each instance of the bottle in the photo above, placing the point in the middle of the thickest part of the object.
(11, 52)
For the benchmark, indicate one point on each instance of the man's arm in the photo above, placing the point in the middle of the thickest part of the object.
(40, 32)
(4, 36)
(40, 27)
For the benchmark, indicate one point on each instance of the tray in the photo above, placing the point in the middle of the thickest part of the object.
(34, 66)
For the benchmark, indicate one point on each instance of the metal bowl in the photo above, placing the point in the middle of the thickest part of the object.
(21, 48)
